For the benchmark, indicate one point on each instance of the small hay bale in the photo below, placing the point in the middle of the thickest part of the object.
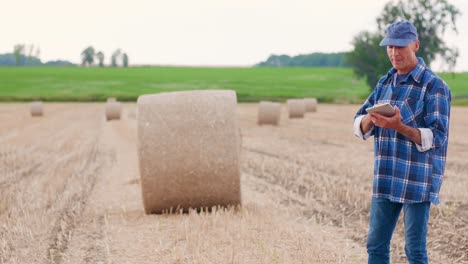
(189, 150)
(269, 113)
(36, 108)
(296, 108)
(113, 110)
(310, 104)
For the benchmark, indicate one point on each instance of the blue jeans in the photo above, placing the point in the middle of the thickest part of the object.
(383, 218)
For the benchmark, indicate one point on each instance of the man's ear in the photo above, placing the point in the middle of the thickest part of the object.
(416, 45)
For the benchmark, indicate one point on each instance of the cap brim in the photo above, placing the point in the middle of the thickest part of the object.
(395, 42)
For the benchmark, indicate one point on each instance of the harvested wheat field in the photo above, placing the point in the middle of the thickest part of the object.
(70, 193)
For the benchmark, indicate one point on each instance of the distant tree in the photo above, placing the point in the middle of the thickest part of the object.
(368, 59)
(276, 61)
(115, 57)
(18, 51)
(30, 53)
(125, 60)
(100, 57)
(87, 56)
(432, 18)
(38, 52)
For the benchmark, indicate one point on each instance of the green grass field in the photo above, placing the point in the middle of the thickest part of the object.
(252, 84)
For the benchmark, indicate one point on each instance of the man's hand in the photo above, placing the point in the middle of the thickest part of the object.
(394, 122)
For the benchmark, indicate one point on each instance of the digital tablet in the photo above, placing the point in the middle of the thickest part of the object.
(382, 109)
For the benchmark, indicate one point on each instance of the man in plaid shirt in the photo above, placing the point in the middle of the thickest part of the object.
(410, 146)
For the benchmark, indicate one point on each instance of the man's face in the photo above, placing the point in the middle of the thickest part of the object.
(403, 58)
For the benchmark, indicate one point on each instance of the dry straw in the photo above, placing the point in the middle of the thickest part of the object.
(189, 148)
(132, 114)
(296, 108)
(113, 110)
(310, 104)
(36, 108)
(269, 113)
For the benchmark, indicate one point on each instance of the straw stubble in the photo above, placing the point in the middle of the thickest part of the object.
(188, 147)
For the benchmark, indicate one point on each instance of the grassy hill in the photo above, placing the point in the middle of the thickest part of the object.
(251, 84)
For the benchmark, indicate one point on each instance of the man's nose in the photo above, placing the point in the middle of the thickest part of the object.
(394, 50)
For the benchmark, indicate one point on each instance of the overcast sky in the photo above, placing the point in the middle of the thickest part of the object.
(201, 32)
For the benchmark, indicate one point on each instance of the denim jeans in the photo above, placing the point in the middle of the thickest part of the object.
(383, 218)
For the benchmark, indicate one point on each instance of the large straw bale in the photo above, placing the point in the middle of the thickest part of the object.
(36, 108)
(310, 104)
(269, 113)
(113, 110)
(189, 149)
(296, 108)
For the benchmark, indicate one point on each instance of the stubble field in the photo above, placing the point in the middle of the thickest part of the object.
(70, 193)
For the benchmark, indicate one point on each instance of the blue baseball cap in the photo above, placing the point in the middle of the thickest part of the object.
(400, 34)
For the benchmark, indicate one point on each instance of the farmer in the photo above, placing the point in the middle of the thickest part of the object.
(410, 147)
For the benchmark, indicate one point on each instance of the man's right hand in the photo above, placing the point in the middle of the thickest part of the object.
(366, 124)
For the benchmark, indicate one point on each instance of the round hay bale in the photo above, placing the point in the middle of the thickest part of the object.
(36, 108)
(113, 110)
(269, 113)
(310, 104)
(296, 108)
(111, 99)
(189, 149)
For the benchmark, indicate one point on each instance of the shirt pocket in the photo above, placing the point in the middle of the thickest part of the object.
(411, 110)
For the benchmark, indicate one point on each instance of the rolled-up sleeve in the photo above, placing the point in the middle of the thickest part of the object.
(426, 140)
(357, 129)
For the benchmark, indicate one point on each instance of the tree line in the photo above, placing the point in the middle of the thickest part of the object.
(89, 55)
(28, 55)
(317, 59)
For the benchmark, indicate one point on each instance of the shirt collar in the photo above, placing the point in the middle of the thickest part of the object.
(416, 73)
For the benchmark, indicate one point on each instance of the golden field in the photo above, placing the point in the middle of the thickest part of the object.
(70, 193)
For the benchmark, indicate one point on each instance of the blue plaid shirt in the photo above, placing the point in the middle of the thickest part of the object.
(405, 172)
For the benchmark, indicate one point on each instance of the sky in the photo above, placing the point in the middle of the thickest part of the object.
(197, 33)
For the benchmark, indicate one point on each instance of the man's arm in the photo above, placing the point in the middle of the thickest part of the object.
(368, 130)
(396, 124)
(366, 124)
(411, 133)
(359, 132)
